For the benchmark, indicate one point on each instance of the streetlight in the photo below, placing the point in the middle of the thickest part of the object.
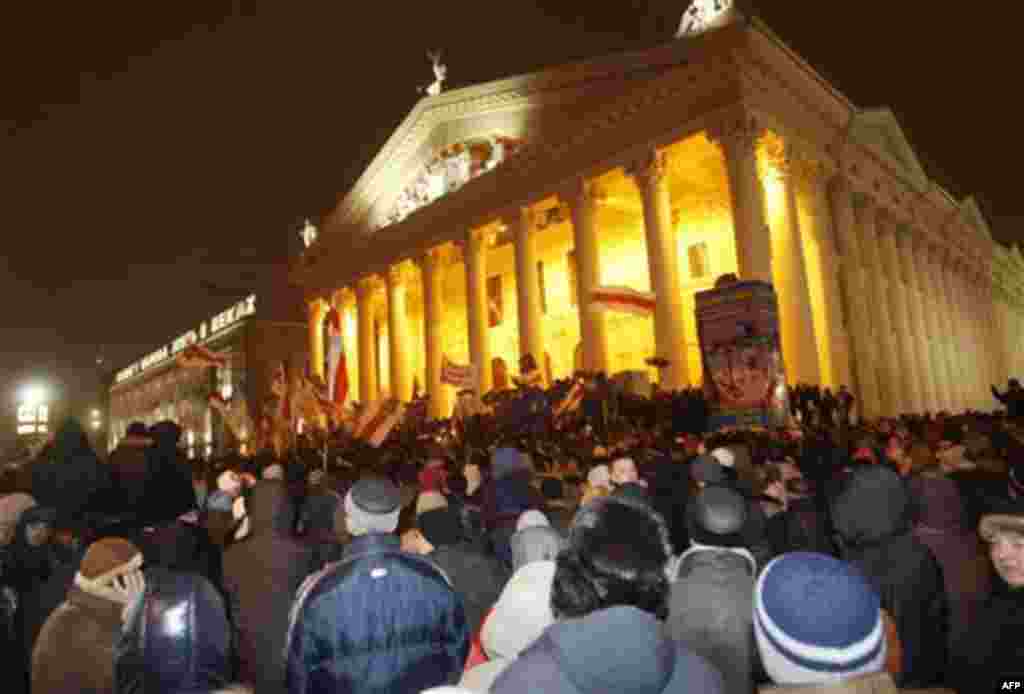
(33, 395)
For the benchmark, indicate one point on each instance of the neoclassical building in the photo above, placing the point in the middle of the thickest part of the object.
(481, 228)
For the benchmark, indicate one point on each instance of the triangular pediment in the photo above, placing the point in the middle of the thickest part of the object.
(476, 127)
(972, 215)
(880, 130)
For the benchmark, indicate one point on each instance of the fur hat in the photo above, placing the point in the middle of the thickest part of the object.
(109, 558)
(817, 619)
(717, 517)
(372, 506)
(1009, 517)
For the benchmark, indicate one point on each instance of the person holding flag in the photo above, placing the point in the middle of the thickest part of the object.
(336, 368)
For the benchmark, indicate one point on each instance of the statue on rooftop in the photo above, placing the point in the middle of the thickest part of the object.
(440, 73)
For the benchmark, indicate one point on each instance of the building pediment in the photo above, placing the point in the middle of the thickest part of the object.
(454, 136)
(879, 130)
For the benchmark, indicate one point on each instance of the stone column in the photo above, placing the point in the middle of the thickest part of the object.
(960, 345)
(584, 201)
(953, 348)
(887, 363)
(528, 301)
(971, 350)
(317, 312)
(932, 313)
(799, 345)
(738, 139)
(433, 321)
(910, 271)
(663, 265)
(909, 398)
(834, 342)
(855, 290)
(398, 338)
(476, 308)
(365, 289)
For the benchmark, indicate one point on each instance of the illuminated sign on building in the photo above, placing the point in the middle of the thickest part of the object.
(33, 419)
(207, 329)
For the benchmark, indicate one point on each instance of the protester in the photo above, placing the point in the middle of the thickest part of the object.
(993, 644)
(75, 649)
(873, 521)
(261, 575)
(380, 619)
(176, 639)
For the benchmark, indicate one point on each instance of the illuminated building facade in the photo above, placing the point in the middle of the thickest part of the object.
(483, 225)
(252, 337)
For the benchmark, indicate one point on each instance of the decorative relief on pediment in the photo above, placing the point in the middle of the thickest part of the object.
(450, 169)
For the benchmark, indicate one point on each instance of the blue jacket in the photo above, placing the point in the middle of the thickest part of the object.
(379, 621)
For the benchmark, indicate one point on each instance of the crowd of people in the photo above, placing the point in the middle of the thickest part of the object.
(619, 549)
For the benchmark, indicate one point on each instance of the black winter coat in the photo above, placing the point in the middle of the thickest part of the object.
(993, 645)
(476, 577)
(261, 575)
(872, 519)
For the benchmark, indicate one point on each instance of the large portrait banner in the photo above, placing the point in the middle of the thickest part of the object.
(741, 351)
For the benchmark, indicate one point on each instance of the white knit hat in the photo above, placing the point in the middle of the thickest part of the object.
(817, 620)
(724, 456)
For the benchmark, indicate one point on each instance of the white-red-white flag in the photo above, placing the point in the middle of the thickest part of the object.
(623, 300)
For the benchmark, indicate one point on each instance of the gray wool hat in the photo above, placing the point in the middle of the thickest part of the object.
(372, 506)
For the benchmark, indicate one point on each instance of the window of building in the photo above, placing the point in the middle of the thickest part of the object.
(698, 256)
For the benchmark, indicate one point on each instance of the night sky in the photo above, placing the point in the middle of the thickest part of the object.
(149, 148)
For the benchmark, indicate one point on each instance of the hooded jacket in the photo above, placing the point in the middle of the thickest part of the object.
(75, 650)
(711, 607)
(71, 478)
(261, 575)
(520, 616)
(940, 523)
(169, 492)
(872, 519)
(176, 639)
(129, 473)
(380, 621)
(619, 649)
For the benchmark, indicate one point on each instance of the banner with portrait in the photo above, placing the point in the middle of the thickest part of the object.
(741, 351)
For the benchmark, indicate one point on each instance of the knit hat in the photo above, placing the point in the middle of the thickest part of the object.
(599, 476)
(372, 506)
(717, 517)
(536, 543)
(531, 519)
(706, 469)
(724, 456)
(817, 619)
(441, 527)
(109, 558)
